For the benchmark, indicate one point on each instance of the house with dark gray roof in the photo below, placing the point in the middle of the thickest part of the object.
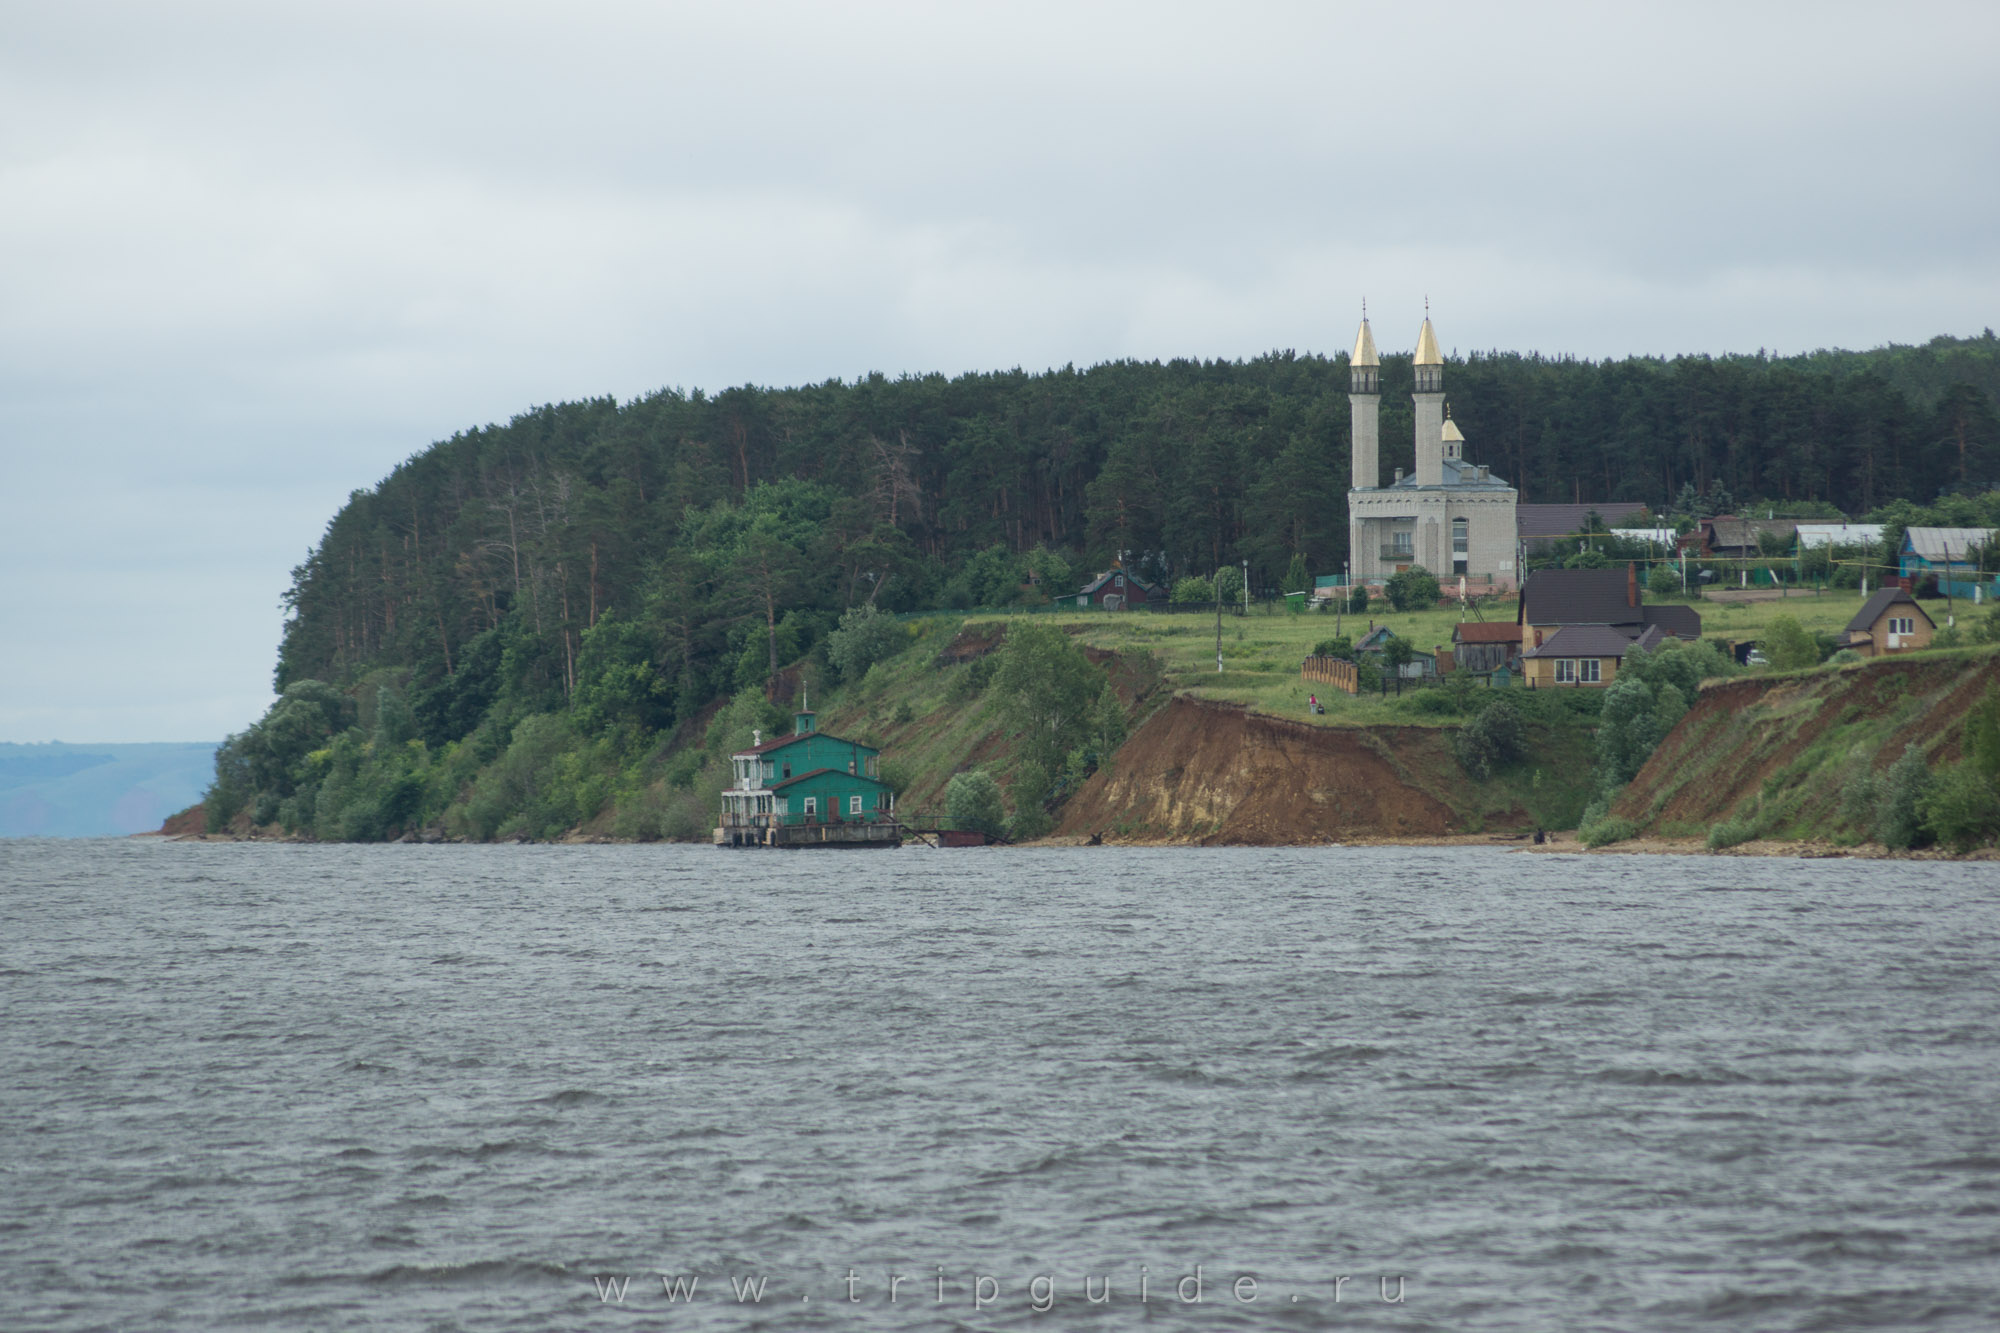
(1585, 655)
(1597, 615)
(1540, 526)
(1889, 622)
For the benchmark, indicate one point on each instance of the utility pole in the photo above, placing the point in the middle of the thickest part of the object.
(1246, 587)
(1218, 620)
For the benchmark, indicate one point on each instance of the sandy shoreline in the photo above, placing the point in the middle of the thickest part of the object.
(1564, 843)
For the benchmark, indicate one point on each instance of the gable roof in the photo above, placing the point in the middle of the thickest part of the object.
(1839, 534)
(1475, 631)
(1872, 610)
(1938, 545)
(837, 772)
(1131, 581)
(1729, 530)
(1563, 520)
(1579, 597)
(1584, 641)
(1683, 622)
(797, 736)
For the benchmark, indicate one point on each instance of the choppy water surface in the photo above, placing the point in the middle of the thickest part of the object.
(463, 1087)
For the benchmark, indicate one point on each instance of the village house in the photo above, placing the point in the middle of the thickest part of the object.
(1542, 527)
(1555, 598)
(1889, 622)
(1483, 646)
(1585, 655)
(1727, 537)
(1577, 625)
(1116, 590)
(1946, 552)
(808, 789)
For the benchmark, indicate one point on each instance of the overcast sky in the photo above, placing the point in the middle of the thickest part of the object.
(253, 255)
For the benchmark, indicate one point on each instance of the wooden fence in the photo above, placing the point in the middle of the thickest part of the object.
(1335, 671)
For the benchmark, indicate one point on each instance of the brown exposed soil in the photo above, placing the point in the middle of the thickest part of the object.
(1213, 773)
(972, 642)
(194, 819)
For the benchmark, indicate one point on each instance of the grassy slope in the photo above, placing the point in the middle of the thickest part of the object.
(930, 725)
(1774, 752)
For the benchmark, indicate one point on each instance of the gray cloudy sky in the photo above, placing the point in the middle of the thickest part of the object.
(252, 255)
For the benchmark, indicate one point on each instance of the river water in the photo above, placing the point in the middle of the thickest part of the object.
(496, 1087)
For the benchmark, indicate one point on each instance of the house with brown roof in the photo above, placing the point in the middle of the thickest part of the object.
(1727, 537)
(1889, 622)
(1485, 645)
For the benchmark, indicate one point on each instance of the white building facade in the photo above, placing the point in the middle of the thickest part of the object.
(1452, 517)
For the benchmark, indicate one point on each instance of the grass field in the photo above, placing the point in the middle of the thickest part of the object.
(1261, 651)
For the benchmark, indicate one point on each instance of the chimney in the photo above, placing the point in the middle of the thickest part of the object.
(1632, 584)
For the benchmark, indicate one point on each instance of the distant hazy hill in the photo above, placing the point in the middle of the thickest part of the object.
(82, 791)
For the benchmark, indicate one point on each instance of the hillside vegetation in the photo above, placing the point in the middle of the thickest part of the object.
(1903, 751)
(539, 626)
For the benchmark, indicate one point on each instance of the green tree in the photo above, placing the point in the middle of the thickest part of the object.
(617, 682)
(1049, 693)
(1413, 589)
(1193, 588)
(972, 802)
(1298, 575)
(1899, 821)
(1663, 581)
(865, 636)
(1787, 645)
(1397, 653)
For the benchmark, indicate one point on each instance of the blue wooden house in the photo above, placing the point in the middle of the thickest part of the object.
(808, 789)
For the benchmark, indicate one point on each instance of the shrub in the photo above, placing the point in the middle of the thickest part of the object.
(1494, 739)
(1432, 703)
(1859, 796)
(1605, 831)
(1413, 589)
(1664, 581)
(1961, 808)
(972, 802)
(865, 636)
(1898, 821)
(1194, 589)
(1845, 657)
(1787, 645)
(1341, 647)
(1357, 599)
(1731, 833)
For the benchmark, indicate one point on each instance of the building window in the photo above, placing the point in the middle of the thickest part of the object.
(1565, 671)
(1591, 670)
(1902, 624)
(854, 805)
(812, 806)
(1459, 537)
(1120, 580)
(1400, 541)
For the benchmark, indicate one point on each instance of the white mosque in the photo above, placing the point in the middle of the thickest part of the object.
(1454, 518)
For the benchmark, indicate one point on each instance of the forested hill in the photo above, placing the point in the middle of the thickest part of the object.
(726, 532)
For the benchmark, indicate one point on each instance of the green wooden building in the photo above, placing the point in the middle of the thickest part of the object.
(808, 789)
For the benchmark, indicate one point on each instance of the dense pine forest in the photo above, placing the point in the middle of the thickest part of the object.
(623, 565)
